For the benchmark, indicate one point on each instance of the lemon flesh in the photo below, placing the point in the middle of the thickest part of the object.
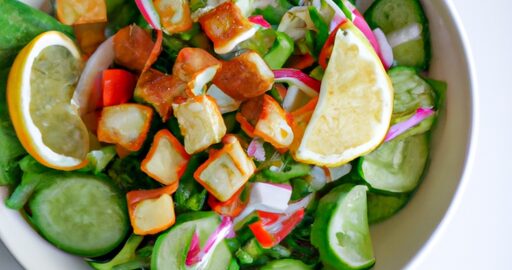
(354, 107)
(40, 87)
(53, 79)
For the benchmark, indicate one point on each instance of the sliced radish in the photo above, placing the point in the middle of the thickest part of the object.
(87, 97)
(148, 11)
(397, 129)
(266, 197)
(362, 25)
(408, 33)
(259, 20)
(296, 77)
(386, 52)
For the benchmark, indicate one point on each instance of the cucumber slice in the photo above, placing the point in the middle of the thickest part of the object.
(288, 264)
(340, 231)
(396, 166)
(411, 91)
(171, 248)
(80, 214)
(382, 207)
(393, 16)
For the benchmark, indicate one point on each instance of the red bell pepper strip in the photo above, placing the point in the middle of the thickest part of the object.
(118, 86)
(273, 228)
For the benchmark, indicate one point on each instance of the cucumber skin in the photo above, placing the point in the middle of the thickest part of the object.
(327, 204)
(381, 207)
(373, 9)
(288, 264)
(53, 178)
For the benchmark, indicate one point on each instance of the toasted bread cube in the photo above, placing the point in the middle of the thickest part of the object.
(151, 216)
(200, 123)
(272, 125)
(132, 47)
(196, 67)
(226, 103)
(167, 160)
(159, 90)
(174, 15)
(226, 26)
(72, 12)
(126, 124)
(226, 171)
(245, 76)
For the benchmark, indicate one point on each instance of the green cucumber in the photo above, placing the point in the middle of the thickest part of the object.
(286, 264)
(396, 166)
(382, 207)
(340, 230)
(171, 248)
(411, 91)
(81, 214)
(394, 15)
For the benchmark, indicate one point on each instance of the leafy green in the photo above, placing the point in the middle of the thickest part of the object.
(12, 150)
(20, 24)
(126, 255)
(127, 175)
(190, 195)
(121, 13)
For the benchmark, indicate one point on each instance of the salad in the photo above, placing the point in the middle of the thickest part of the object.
(174, 134)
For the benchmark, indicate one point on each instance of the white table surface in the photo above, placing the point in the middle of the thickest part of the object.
(478, 234)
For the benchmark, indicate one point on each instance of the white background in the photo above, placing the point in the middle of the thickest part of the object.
(479, 233)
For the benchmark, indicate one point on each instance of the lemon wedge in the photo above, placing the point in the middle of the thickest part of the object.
(41, 84)
(355, 104)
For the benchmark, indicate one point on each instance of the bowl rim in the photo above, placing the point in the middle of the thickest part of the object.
(471, 147)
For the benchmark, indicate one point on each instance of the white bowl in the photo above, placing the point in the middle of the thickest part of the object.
(402, 241)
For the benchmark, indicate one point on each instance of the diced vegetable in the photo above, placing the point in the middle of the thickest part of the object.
(174, 15)
(396, 166)
(171, 248)
(301, 61)
(132, 47)
(167, 160)
(99, 159)
(245, 76)
(288, 172)
(226, 170)
(226, 26)
(295, 22)
(280, 51)
(151, 211)
(224, 102)
(232, 207)
(200, 122)
(118, 86)
(126, 125)
(272, 125)
(81, 11)
(59, 206)
(296, 77)
(273, 228)
(159, 90)
(196, 67)
(149, 12)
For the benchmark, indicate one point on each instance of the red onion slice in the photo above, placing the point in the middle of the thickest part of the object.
(148, 11)
(386, 52)
(256, 149)
(296, 77)
(397, 129)
(259, 20)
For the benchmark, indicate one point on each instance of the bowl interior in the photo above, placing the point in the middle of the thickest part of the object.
(396, 241)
